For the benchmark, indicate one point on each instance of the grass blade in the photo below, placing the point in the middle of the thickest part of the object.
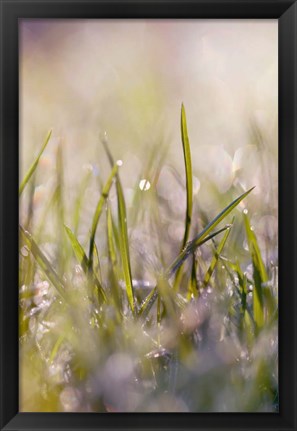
(98, 211)
(216, 256)
(33, 167)
(262, 295)
(259, 275)
(124, 245)
(78, 249)
(83, 261)
(198, 240)
(189, 187)
(113, 262)
(43, 262)
(111, 246)
(123, 234)
(62, 252)
(189, 176)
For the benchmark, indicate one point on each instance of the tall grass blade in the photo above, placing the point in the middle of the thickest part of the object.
(189, 177)
(123, 234)
(189, 186)
(124, 245)
(33, 167)
(98, 211)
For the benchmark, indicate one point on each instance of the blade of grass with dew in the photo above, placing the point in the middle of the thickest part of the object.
(216, 256)
(262, 295)
(98, 211)
(83, 261)
(189, 188)
(123, 234)
(192, 245)
(124, 245)
(43, 263)
(33, 167)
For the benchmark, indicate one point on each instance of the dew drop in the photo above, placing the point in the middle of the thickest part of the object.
(144, 185)
(119, 163)
(25, 251)
(245, 211)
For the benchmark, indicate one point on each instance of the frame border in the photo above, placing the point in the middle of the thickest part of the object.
(286, 13)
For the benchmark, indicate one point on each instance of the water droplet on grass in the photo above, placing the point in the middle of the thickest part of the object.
(25, 251)
(144, 185)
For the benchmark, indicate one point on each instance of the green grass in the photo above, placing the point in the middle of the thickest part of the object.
(196, 336)
(34, 165)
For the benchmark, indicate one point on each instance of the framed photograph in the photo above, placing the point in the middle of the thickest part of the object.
(148, 215)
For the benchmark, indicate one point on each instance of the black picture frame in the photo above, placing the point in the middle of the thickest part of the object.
(286, 13)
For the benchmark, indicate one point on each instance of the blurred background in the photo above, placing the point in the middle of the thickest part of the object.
(128, 78)
(123, 82)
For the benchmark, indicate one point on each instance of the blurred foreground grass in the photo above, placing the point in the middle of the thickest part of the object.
(127, 314)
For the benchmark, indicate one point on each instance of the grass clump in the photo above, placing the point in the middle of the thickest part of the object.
(97, 335)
